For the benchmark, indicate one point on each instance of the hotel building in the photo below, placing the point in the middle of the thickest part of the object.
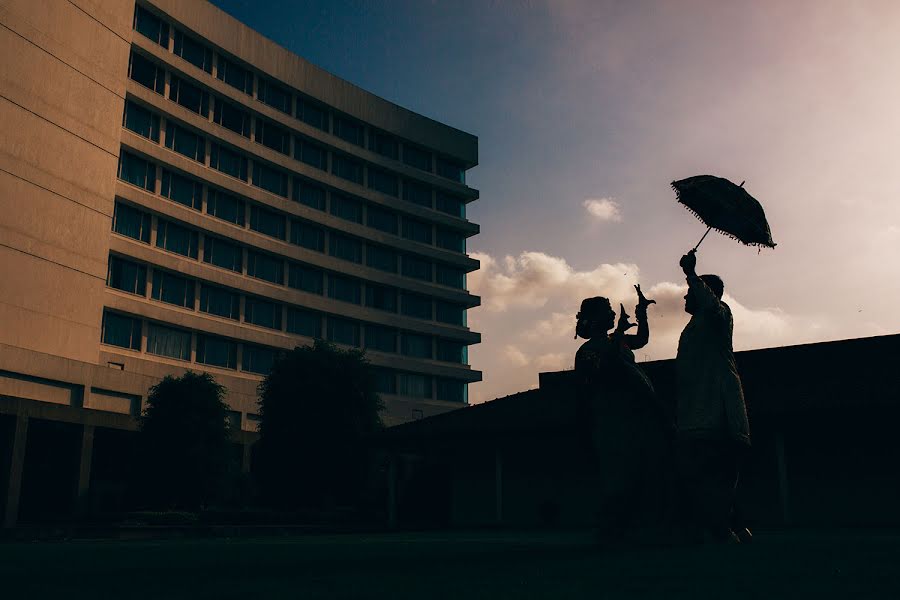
(179, 192)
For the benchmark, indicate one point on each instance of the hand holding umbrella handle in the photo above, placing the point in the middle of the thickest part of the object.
(701, 239)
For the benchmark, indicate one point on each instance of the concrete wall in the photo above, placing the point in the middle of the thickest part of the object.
(61, 89)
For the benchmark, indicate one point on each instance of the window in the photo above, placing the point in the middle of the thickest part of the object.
(146, 73)
(381, 297)
(141, 121)
(382, 220)
(384, 182)
(345, 248)
(272, 136)
(257, 359)
(168, 342)
(312, 114)
(413, 305)
(275, 96)
(418, 231)
(309, 194)
(450, 390)
(311, 154)
(231, 117)
(383, 339)
(234, 75)
(343, 331)
(418, 346)
(451, 277)
(192, 51)
(126, 276)
(131, 222)
(381, 258)
(137, 171)
(413, 385)
(225, 206)
(185, 142)
(453, 314)
(122, 331)
(347, 208)
(269, 179)
(304, 322)
(344, 289)
(416, 268)
(176, 238)
(182, 189)
(416, 157)
(349, 131)
(417, 193)
(450, 170)
(307, 235)
(220, 302)
(261, 312)
(217, 352)
(385, 381)
(383, 144)
(220, 253)
(170, 288)
(450, 240)
(151, 26)
(307, 279)
(266, 221)
(265, 266)
(451, 205)
(228, 161)
(449, 351)
(347, 168)
(189, 96)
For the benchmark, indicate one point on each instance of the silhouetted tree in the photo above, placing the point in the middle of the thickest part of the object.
(317, 405)
(184, 443)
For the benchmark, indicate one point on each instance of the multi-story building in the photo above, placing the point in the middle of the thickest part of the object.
(180, 192)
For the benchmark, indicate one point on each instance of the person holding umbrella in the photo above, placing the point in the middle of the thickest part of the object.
(712, 429)
(711, 418)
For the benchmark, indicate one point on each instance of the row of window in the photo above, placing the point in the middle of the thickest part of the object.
(126, 331)
(189, 191)
(171, 236)
(171, 288)
(281, 98)
(144, 122)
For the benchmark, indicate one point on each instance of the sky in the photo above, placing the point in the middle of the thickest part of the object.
(586, 110)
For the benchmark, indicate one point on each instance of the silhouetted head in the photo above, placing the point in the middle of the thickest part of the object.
(596, 317)
(713, 282)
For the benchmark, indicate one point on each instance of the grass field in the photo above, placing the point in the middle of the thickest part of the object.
(454, 565)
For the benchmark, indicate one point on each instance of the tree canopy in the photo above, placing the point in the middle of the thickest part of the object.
(317, 407)
(184, 443)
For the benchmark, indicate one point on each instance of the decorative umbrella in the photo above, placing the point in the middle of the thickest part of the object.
(725, 207)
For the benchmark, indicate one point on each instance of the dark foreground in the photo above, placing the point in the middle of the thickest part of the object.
(455, 565)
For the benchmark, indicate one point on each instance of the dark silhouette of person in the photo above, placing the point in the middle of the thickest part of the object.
(619, 412)
(712, 428)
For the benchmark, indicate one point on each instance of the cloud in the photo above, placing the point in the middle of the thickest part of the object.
(604, 209)
(533, 279)
(528, 318)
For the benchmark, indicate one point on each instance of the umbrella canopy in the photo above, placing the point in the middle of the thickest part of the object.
(725, 207)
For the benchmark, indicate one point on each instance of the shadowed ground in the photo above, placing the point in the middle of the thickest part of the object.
(830, 564)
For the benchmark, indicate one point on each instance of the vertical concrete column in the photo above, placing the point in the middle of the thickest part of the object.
(154, 224)
(162, 132)
(149, 283)
(392, 491)
(144, 327)
(193, 346)
(84, 469)
(197, 296)
(16, 466)
(783, 491)
(498, 486)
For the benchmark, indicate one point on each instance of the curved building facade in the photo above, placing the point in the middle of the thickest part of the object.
(179, 192)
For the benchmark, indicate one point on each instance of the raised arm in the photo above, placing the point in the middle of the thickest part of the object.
(704, 297)
(642, 337)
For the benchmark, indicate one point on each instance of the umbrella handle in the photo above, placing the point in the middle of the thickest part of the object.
(701, 239)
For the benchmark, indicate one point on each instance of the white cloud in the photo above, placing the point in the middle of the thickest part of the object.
(604, 209)
(515, 356)
(533, 279)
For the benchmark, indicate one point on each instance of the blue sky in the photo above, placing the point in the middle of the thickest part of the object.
(581, 100)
